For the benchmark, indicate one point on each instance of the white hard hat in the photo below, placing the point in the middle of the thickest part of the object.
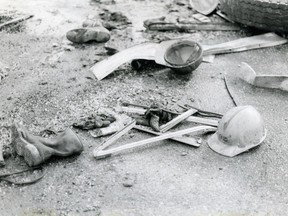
(204, 6)
(240, 129)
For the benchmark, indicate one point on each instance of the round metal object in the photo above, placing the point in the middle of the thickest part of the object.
(184, 56)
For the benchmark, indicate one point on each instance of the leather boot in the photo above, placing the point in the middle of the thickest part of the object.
(36, 149)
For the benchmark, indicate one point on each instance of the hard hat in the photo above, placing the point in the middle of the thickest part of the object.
(240, 129)
(204, 6)
(184, 56)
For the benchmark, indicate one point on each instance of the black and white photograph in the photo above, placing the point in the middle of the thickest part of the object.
(143, 107)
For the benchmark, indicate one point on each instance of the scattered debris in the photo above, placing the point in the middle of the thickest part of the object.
(121, 121)
(208, 58)
(68, 48)
(140, 64)
(166, 53)
(182, 56)
(229, 92)
(203, 121)
(36, 149)
(129, 180)
(114, 20)
(83, 35)
(202, 112)
(204, 6)
(201, 17)
(7, 176)
(177, 120)
(244, 44)
(2, 162)
(236, 132)
(156, 116)
(191, 141)
(91, 23)
(247, 74)
(184, 154)
(4, 69)
(161, 25)
(223, 16)
(16, 20)
(100, 153)
(93, 122)
(108, 2)
(194, 119)
(111, 129)
(5, 139)
(112, 139)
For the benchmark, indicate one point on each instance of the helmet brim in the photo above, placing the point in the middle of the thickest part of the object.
(227, 150)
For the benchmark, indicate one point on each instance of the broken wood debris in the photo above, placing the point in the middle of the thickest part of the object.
(99, 153)
(114, 137)
(177, 120)
(202, 112)
(244, 44)
(16, 20)
(162, 25)
(223, 16)
(201, 17)
(111, 129)
(247, 74)
(203, 121)
(193, 119)
(191, 141)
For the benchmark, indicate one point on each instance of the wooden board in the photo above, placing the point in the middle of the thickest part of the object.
(104, 153)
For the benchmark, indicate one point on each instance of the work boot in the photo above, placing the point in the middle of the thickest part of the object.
(36, 149)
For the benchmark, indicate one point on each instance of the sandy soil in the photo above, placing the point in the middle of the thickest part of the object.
(49, 86)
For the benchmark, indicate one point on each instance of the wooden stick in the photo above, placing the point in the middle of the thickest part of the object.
(248, 74)
(193, 26)
(244, 44)
(190, 119)
(177, 120)
(229, 92)
(114, 137)
(139, 111)
(127, 104)
(201, 17)
(203, 129)
(185, 140)
(223, 16)
(204, 121)
(16, 20)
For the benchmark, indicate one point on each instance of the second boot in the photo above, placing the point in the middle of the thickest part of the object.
(36, 149)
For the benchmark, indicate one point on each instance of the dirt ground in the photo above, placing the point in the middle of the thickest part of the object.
(49, 86)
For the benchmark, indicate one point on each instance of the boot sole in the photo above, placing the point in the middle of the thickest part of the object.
(31, 155)
(18, 142)
(83, 35)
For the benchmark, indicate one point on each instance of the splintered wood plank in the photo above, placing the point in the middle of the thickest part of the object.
(115, 137)
(203, 129)
(177, 120)
(185, 140)
(244, 44)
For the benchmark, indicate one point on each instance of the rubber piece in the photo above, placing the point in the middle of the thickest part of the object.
(3, 177)
(269, 15)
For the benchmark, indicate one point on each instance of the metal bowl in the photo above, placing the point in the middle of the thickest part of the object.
(184, 56)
